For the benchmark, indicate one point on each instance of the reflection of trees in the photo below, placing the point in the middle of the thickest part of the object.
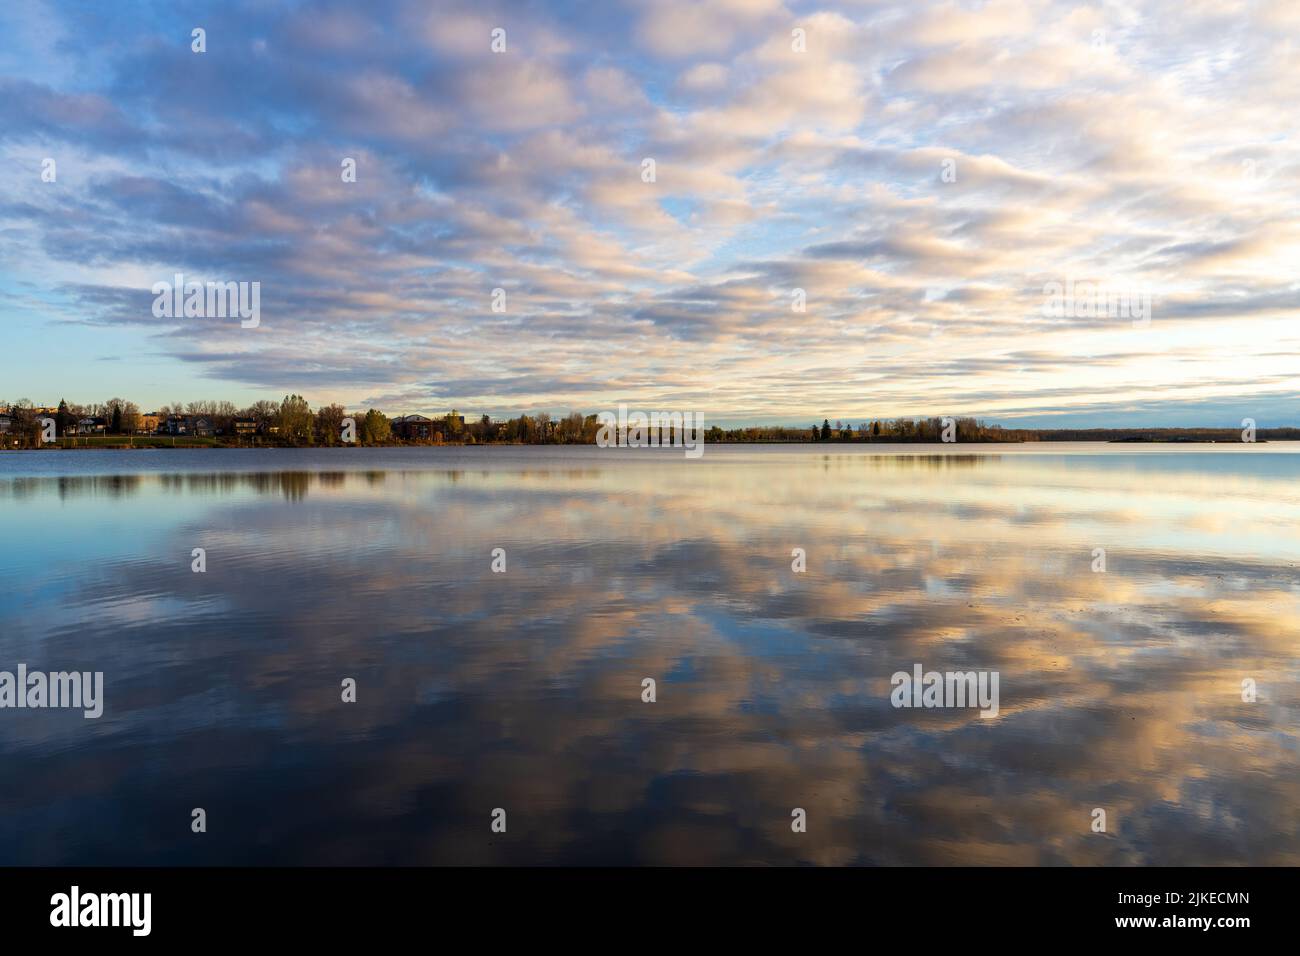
(211, 483)
(909, 462)
(940, 462)
(105, 486)
(293, 485)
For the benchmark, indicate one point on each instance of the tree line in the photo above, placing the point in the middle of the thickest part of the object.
(292, 421)
(913, 430)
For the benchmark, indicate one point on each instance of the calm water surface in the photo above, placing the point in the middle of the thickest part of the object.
(1120, 690)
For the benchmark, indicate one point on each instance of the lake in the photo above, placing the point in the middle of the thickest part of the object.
(1139, 606)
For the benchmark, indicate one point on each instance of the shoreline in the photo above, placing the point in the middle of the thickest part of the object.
(829, 445)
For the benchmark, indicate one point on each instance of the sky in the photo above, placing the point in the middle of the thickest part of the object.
(762, 211)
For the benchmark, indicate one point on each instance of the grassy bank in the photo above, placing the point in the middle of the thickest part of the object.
(132, 441)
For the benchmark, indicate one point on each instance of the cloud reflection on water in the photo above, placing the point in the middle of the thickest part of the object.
(476, 690)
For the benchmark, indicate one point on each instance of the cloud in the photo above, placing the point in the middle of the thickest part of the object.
(921, 172)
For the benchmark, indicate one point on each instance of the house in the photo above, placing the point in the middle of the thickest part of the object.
(149, 424)
(243, 427)
(90, 426)
(197, 425)
(412, 427)
(6, 423)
